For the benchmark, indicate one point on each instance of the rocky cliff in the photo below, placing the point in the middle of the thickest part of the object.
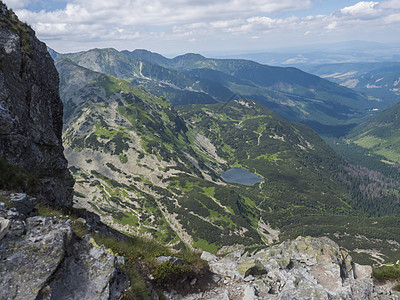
(31, 111)
(42, 257)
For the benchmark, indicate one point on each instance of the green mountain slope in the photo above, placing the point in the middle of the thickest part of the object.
(293, 94)
(373, 175)
(171, 84)
(291, 157)
(193, 79)
(380, 134)
(135, 166)
(147, 169)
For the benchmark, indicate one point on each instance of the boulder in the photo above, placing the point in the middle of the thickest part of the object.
(41, 258)
(29, 261)
(4, 226)
(304, 268)
(88, 271)
(24, 204)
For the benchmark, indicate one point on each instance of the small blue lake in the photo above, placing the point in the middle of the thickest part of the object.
(239, 175)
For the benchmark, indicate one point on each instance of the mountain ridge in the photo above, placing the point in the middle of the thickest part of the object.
(295, 95)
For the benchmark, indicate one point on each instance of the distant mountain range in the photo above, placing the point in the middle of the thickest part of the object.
(193, 79)
(329, 53)
(380, 81)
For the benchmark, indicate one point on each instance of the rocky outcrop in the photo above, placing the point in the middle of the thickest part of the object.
(31, 110)
(305, 268)
(41, 258)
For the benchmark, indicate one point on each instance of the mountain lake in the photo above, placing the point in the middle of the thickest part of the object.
(239, 175)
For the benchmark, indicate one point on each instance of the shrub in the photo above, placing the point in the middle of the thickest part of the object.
(386, 273)
(169, 272)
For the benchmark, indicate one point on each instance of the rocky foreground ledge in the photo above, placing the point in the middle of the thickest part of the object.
(305, 268)
(41, 258)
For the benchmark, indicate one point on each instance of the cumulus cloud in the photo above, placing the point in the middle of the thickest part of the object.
(197, 21)
(162, 13)
(361, 9)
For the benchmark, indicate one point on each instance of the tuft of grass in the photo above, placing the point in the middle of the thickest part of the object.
(169, 271)
(6, 200)
(134, 247)
(123, 158)
(49, 211)
(138, 288)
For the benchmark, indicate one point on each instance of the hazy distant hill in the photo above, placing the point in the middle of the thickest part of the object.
(328, 53)
(192, 78)
(380, 81)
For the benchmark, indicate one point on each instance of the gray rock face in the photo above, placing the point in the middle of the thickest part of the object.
(305, 268)
(87, 272)
(41, 258)
(23, 203)
(31, 110)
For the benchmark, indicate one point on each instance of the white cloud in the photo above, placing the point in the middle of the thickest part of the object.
(361, 9)
(331, 26)
(161, 13)
(390, 4)
(108, 22)
(384, 10)
(394, 18)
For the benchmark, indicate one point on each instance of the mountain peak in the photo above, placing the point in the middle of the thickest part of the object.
(190, 56)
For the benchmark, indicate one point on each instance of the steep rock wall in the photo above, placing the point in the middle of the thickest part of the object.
(31, 110)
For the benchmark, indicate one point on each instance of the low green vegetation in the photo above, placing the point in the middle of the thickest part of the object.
(179, 155)
(169, 271)
(203, 244)
(123, 158)
(379, 135)
(387, 273)
(17, 179)
(139, 254)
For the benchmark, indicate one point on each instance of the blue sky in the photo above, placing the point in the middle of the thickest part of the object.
(179, 26)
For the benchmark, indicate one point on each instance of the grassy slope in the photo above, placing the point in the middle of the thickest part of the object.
(380, 134)
(301, 194)
(134, 165)
(146, 172)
